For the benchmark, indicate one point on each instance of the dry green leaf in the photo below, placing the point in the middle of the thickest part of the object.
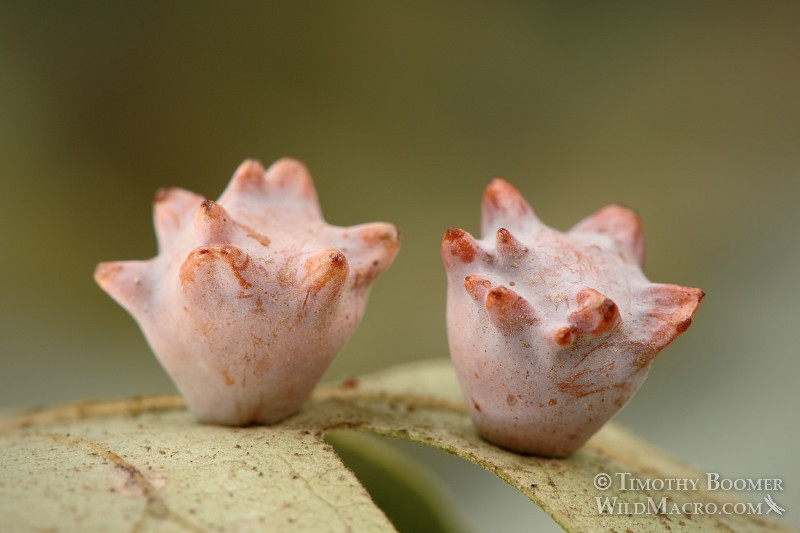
(145, 465)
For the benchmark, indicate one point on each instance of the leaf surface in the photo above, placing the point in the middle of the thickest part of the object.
(143, 464)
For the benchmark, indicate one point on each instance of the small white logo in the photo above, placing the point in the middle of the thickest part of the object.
(773, 507)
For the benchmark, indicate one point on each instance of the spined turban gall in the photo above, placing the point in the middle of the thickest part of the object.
(250, 297)
(552, 333)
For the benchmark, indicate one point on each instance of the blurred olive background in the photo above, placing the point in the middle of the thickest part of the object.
(686, 111)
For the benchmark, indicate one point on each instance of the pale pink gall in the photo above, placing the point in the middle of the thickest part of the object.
(552, 333)
(250, 297)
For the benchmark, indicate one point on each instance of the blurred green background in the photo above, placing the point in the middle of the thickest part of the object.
(686, 111)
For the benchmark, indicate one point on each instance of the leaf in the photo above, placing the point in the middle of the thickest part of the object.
(144, 465)
(410, 495)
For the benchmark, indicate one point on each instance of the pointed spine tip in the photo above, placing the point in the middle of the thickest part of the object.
(371, 248)
(126, 282)
(212, 224)
(498, 188)
(211, 208)
(104, 273)
(696, 298)
(501, 196)
(176, 198)
(336, 265)
(692, 305)
(247, 181)
(205, 265)
(385, 241)
(395, 234)
(381, 235)
(458, 246)
(563, 336)
(498, 295)
(291, 175)
(172, 212)
(326, 273)
(162, 194)
(477, 286)
(669, 314)
(249, 174)
(596, 313)
(508, 246)
(622, 224)
(504, 205)
(676, 304)
(509, 311)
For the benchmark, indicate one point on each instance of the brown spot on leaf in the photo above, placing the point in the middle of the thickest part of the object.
(350, 383)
